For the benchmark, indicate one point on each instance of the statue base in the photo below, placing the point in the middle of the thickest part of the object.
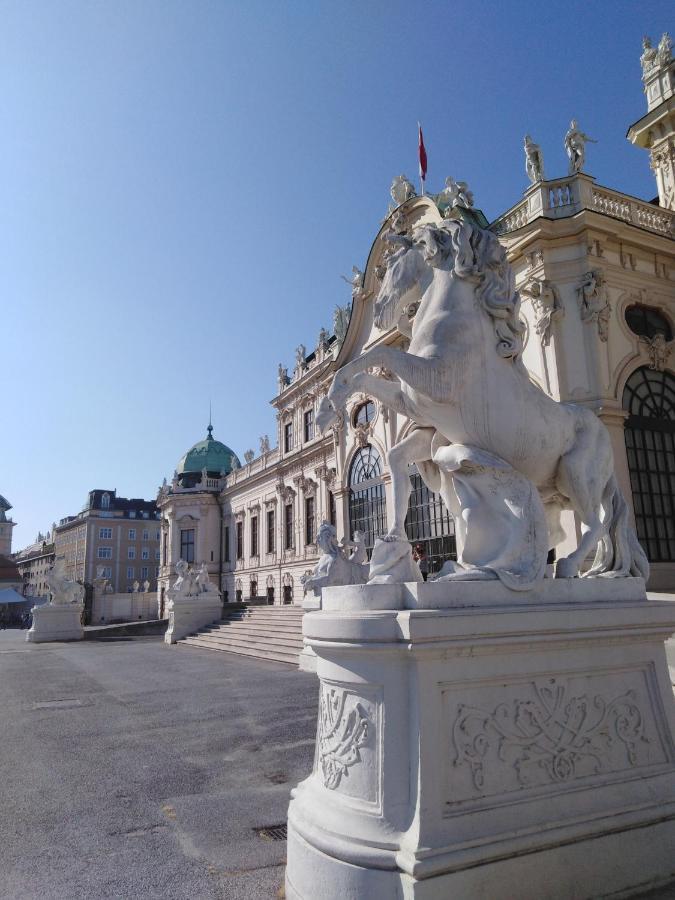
(189, 614)
(509, 744)
(55, 622)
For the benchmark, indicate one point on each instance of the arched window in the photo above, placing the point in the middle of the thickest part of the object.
(649, 398)
(105, 501)
(429, 523)
(367, 501)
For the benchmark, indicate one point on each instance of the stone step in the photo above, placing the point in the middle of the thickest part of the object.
(264, 632)
(291, 634)
(255, 640)
(290, 658)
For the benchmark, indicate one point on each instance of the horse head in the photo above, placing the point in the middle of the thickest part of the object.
(401, 284)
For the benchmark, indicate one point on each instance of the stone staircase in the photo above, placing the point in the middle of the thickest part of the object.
(265, 632)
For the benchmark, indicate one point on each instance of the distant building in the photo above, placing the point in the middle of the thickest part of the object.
(33, 563)
(112, 534)
(6, 527)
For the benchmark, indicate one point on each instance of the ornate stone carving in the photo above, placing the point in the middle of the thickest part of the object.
(546, 304)
(402, 189)
(335, 565)
(659, 350)
(649, 56)
(549, 736)
(282, 377)
(665, 50)
(534, 161)
(575, 147)
(362, 434)
(455, 193)
(322, 340)
(341, 317)
(594, 305)
(344, 728)
(326, 474)
(264, 445)
(300, 357)
(355, 281)
(62, 590)
(249, 456)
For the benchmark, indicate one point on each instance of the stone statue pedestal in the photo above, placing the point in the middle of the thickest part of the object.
(189, 614)
(477, 742)
(56, 622)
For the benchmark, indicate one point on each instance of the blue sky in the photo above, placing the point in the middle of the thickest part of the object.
(184, 182)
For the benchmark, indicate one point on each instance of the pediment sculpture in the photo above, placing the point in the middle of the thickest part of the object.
(505, 457)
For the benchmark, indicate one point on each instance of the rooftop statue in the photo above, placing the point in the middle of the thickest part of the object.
(506, 458)
(63, 590)
(356, 280)
(665, 50)
(300, 355)
(575, 147)
(341, 317)
(455, 193)
(534, 161)
(401, 190)
(649, 54)
(335, 566)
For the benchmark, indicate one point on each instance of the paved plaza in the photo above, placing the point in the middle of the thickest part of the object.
(135, 770)
(132, 769)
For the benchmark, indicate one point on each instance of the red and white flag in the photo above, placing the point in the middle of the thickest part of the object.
(422, 155)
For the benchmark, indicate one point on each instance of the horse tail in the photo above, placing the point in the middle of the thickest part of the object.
(619, 552)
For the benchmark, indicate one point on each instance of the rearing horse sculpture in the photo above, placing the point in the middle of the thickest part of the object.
(463, 384)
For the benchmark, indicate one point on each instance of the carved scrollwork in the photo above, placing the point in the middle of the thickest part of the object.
(548, 734)
(344, 728)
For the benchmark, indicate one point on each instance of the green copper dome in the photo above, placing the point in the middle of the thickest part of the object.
(210, 455)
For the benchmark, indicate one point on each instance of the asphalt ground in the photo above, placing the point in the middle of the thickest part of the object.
(135, 770)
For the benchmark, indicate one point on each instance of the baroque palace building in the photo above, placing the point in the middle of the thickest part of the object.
(595, 268)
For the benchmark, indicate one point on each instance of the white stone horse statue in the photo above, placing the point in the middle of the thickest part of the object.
(505, 457)
(63, 589)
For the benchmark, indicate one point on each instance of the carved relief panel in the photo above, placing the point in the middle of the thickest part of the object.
(558, 731)
(348, 741)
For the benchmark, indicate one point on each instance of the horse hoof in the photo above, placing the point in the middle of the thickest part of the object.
(566, 568)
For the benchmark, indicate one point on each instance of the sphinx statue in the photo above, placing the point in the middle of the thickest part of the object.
(335, 565)
(505, 457)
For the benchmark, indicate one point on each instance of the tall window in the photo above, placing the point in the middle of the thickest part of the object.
(104, 553)
(367, 501)
(145, 553)
(649, 398)
(254, 535)
(132, 534)
(309, 520)
(131, 553)
(288, 526)
(240, 540)
(164, 553)
(105, 501)
(288, 437)
(332, 516)
(429, 523)
(270, 531)
(130, 573)
(145, 534)
(144, 572)
(308, 422)
(105, 534)
(226, 540)
(187, 544)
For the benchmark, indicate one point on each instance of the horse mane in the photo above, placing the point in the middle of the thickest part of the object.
(477, 253)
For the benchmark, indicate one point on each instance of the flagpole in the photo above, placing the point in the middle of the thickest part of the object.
(419, 162)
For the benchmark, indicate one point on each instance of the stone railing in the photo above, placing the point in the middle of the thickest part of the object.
(637, 212)
(568, 196)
